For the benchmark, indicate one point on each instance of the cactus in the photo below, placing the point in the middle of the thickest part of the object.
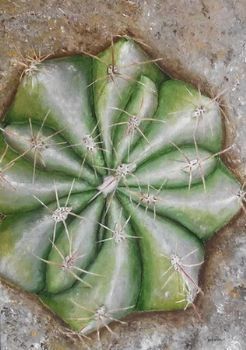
(111, 181)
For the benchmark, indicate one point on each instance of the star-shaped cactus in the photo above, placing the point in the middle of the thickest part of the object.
(111, 180)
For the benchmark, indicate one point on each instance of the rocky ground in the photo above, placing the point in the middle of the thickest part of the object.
(201, 41)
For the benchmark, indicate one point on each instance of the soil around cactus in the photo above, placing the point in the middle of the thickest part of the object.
(220, 245)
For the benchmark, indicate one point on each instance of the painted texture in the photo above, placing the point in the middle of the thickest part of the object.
(112, 203)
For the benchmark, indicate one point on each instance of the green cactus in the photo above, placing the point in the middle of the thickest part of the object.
(110, 182)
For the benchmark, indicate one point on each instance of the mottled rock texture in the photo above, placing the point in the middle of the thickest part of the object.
(202, 42)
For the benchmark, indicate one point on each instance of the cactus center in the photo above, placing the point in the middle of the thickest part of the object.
(111, 182)
(109, 185)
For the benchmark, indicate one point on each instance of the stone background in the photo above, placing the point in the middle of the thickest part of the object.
(201, 41)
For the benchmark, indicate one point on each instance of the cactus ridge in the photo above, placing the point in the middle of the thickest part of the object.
(111, 180)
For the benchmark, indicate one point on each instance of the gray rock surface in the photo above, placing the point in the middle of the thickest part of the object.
(202, 42)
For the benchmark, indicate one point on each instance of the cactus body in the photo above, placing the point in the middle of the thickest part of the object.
(110, 182)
